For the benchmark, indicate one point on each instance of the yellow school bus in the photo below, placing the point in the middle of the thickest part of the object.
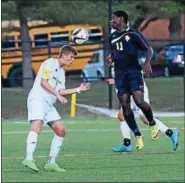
(45, 43)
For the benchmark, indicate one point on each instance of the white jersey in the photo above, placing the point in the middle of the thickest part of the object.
(50, 70)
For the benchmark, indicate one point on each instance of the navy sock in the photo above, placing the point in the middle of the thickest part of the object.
(132, 124)
(149, 116)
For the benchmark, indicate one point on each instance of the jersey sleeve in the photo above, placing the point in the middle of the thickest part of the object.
(141, 41)
(48, 68)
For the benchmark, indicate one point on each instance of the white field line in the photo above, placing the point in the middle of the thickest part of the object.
(93, 154)
(79, 130)
(82, 122)
(92, 122)
(113, 113)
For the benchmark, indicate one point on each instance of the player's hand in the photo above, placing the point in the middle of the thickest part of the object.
(109, 61)
(84, 87)
(62, 99)
(147, 69)
(110, 81)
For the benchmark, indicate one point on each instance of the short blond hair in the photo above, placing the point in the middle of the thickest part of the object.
(67, 48)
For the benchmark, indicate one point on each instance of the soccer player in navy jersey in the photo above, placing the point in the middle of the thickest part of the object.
(125, 43)
(126, 145)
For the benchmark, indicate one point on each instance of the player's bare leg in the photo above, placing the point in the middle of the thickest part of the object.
(138, 97)
(29, 162)
(56, 144)
(130, 119)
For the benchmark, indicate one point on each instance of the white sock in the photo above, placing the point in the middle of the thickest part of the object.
(31, 144)
(161, 125)
(125, 130)
(55, 148)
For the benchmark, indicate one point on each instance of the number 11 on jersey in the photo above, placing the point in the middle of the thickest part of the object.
(119, 46)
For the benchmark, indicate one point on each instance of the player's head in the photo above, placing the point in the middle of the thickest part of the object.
(66, 55)
(119, 19)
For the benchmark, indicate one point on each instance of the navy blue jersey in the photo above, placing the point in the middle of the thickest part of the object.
(125, 47)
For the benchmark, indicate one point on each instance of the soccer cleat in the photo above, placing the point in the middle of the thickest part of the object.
(122, 148)
(53, 167)
(175, 139)
(139, 142)
(154, 132)
(30, 164)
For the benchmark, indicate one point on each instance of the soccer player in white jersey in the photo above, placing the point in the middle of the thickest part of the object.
(125, 130)
(48, 87)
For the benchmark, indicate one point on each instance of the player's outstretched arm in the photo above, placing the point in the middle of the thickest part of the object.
(82, 88)
(147, 67)
(49, 88)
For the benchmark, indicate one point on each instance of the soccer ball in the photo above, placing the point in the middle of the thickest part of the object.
(80, 35)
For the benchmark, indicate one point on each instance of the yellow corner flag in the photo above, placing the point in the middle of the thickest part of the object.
(73, 104)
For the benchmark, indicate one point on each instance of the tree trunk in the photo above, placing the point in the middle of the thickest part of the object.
(175, 29)
(26, 49)
(138, 22)
(106, 50)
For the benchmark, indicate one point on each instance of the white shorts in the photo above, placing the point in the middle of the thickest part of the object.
(134, 107)
(40, 109)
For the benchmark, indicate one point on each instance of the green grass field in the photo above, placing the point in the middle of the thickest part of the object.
(86, 153)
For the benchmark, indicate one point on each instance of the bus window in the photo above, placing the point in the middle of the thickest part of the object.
(95, 36)
(8, 42)
(60, 37)
(41, 40)
(19, 41)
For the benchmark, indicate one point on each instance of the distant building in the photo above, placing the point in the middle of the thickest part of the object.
(158, 29)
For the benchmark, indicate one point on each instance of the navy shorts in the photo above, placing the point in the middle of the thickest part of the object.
(128, 82)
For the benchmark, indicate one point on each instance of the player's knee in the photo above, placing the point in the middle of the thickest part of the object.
(140, 103)
(36, 130)
(125, 106)
(61, 132)
(120, 116)
(36, 126)
(126, 111)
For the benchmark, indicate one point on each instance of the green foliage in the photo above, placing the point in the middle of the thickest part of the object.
(92, 12)
(149, 9)
(8, 10)
(72, 12)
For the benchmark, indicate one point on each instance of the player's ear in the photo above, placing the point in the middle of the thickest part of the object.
(120, 19)
(64, 54)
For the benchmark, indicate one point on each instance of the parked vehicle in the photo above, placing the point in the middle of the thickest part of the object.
(174, 59)
(94, 70)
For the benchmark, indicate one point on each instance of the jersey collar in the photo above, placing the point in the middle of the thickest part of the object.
(127, 29)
